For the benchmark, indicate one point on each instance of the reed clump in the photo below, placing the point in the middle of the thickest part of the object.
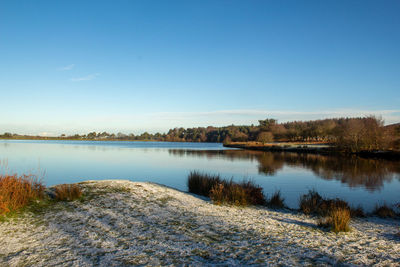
(202, 183)
(357, 212)
(276, 201)
(17, 192)
(222, 191)
(314, 203)
(310, 202)
(67, 192)
(337, 219)
(384, 211)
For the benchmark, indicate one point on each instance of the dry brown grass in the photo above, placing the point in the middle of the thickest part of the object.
(238, 194)
(309, 203)
(313, 203)
(222, 191)
(232, 194)
(384, 211)
(276, 201)
(67, 192)
(357, 212)
(18, 191)
(202, 183)
(338, 219)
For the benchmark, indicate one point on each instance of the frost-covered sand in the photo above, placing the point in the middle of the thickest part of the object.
(128, 223)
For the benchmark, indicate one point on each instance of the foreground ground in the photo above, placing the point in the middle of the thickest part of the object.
(127, 223)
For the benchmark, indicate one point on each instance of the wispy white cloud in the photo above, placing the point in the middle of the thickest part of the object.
(68, 67)
(86, 78)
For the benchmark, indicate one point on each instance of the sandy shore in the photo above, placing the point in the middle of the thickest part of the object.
(128, 223)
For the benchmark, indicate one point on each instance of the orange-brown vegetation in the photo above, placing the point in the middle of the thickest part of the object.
(276, 200)
(223, 191)
(67, 192)
(18, 191)
(384, 211)
(337, 219)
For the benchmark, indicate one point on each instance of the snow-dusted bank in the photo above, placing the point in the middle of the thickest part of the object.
(128, 223)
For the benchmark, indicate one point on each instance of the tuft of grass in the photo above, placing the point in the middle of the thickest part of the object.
(254, 192)
(201, 183)
(310, 202)
(384, 211)
(222, 191)
(68, 192)
(313, 203)
(357, 212)
(276, 200)
(17, 192)
(337, 219)
(327, 205)
(229, 194)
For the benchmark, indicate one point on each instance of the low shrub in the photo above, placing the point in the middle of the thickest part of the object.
(313, 203)
(67, 192)
(310, 202)
(18, 191)
(239, 194)
(337, 219)
(232, 194)
(201, 183)
(327, 205)
(384, 211)
(276, 201)
(222, 191)
(254, 193)
(357, 212)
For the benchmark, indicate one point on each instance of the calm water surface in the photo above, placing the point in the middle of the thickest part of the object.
(364, 182)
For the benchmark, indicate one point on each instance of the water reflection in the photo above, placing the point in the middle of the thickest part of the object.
(353, 171)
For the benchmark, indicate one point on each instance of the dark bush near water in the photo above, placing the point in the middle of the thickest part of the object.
(202, 183)
(314, 203)
(222, 191)
(276, 201)
(384, 211)
(335, 213)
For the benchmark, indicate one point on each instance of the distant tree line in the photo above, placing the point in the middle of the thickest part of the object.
(350, 134)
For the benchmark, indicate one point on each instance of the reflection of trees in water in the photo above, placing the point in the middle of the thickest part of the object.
(269, 164)
(352, 170)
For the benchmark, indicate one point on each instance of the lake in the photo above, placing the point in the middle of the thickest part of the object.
(359, 181)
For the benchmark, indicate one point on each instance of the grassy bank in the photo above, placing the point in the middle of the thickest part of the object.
(128, 223)
(333, 214)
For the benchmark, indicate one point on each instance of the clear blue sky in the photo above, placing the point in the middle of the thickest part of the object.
(131, 66)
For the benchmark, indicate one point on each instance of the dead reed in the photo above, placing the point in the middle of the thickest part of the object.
(18, 191)
(276, 200)
(384, 211)
(337, 219)
(67, 192)
(222, 191)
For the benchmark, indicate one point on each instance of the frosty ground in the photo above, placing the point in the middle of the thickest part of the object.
(127, 223)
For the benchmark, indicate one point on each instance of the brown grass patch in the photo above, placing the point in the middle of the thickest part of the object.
(309, 203)
(384, 211)
(222, 191)
(202, 183)
(239, 194)
(18, 191)
(337, 219)
(313, 203)
(276, 201)
(357, 212)
(67, 192)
